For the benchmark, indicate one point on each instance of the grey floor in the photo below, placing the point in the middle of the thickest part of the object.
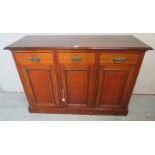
(13, 106)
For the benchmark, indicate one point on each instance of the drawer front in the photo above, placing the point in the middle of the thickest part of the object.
(76, 58)
(118, 58)
(34, 58)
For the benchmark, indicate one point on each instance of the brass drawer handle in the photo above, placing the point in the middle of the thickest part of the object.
(76, 59)
(35, 59)
(119, 60)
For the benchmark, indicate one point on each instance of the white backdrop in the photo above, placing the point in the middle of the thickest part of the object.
(9, 79)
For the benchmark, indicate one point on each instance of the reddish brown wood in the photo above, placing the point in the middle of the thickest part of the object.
(95, 80)
(123, 42)
(107, 58)
(41, 85)
(84, 111)
(24, 58)
(39, 79)
(113, 84)
(77, 78)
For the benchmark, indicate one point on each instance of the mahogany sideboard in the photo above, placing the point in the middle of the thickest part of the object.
(78, 74)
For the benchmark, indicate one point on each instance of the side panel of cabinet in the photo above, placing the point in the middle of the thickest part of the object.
(113, 85)
(39, 81)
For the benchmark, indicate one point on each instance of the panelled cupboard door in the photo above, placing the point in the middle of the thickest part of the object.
(77, 75)
(113, 85)
(39, 79)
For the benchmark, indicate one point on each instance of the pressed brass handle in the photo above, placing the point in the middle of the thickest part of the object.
(35, 59)
(119, 60)
(76, 59)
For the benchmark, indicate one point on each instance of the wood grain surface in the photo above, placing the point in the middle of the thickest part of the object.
(79, 42)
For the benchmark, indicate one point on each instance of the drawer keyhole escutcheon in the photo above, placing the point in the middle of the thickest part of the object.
(119, 60)
(35, 59)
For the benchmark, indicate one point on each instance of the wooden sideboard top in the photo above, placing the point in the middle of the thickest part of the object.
(109, 42)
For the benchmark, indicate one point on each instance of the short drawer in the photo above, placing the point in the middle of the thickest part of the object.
(119, 58)
(76, 58)
(34, 58)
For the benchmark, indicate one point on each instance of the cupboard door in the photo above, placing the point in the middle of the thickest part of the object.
(41, 85)
(37, 72)
(77, 72)
(113, 85)
(77, 86)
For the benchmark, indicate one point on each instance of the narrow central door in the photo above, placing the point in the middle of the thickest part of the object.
(77, 76)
